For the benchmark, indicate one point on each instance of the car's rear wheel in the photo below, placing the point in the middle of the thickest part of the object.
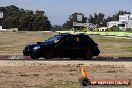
(49, 54)
(88, 55)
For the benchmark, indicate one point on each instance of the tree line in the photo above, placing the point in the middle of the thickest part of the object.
(24, 20)
(28, 20)
(97, 19)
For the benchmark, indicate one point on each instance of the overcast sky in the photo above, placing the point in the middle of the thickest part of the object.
(58, 11)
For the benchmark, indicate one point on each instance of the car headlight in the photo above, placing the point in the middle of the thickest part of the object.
(37, 47)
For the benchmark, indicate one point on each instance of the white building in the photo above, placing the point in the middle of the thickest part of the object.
(125, 21)
(2, 29)
(102, 28)
(86, 25)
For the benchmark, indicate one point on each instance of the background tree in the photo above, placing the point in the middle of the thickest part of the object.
(73, 18)
(101, 21)
(57, 28)
(98, 19)
(11, 16)
(41, 22)
(115, 17)
(24, 20)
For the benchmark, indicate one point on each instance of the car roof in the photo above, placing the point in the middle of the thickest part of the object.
(73, 34)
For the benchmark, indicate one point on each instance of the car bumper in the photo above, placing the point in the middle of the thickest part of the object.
(26, 53)
(97, 52)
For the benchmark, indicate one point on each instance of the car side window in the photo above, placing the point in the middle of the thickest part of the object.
(67, 41)
(84, 41)
(77, 40)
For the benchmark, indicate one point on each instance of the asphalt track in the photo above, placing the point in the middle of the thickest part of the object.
(28, 58)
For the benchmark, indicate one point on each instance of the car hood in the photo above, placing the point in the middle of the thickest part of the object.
(30, 46)
(38, 44)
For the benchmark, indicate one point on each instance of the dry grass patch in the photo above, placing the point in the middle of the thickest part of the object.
(12, 43)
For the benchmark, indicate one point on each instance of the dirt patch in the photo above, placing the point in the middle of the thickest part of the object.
(63, 74)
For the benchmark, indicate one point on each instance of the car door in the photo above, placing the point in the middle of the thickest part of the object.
(80, 45)
(65, 47)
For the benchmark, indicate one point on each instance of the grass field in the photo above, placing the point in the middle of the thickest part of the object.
(12, 43)
(111, 46)
(60, 74)
(104, 33)
(112, 33)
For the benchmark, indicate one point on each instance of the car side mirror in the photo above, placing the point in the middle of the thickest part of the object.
(56, 41)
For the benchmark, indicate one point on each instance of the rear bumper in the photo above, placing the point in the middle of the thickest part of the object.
(96, 52)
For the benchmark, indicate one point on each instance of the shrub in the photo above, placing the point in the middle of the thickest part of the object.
(129, 29)
(85, 30)
(114, 28)
(96, 29)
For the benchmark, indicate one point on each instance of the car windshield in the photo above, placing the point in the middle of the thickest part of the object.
(54, 39)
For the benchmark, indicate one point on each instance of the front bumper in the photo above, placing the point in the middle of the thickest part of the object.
(27, 51)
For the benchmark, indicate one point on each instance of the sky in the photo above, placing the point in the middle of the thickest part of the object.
(58, 11)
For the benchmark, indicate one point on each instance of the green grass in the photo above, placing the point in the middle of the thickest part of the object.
(104, 33)
(112, 33)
